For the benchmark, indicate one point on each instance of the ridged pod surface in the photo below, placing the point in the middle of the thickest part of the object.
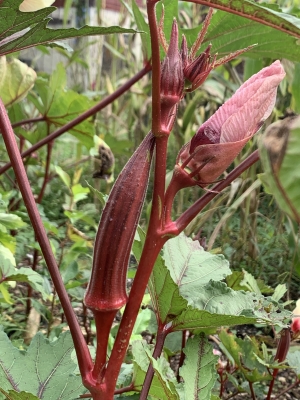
(107, 286)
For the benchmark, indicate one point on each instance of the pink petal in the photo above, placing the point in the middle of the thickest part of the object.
(242, 115)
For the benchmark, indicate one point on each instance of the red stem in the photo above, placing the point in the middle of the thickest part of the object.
(182, 355)
(30, 291)
(152, 247)
(102, 104)
(82, 351)
(47, 169)
(252, 391)
(271, 388)
(103, 321)
(287, 389)
(28, 121)
(160, 340)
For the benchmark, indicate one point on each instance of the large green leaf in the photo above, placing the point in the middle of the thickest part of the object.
(191, 267)
(60, 106)
(13, 21)
(16, 79)
(228, 33)
(142, 26)
(264, 13)
(198, 370)
(207, 307)
(45, 369)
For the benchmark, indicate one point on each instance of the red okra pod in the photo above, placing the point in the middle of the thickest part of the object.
(107, 286)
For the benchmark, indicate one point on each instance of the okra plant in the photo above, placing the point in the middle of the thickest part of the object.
(190, 300)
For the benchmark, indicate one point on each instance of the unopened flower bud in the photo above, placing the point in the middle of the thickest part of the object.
(220, 139)
(172, 81)
(295, 326)
(197, 70)
(171, 71)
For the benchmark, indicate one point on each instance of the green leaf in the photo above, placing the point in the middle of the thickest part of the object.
(13, 395)
(11, 221)
(171, 12)
(79, 192)
(263, 13)
(144, 319)
(165, 376)
(236, 282)
(142, 26)
(45, 369)
(164, 381)
(251, 67)
(14, 21)
(250, 282)
(191, 267)
(173, 343)
(5, 293)
(215, 304)
(60, 106)
(100, 196)
(244, 353)
(228, 33)
(8, 241)
(70, 272)
(293, 358)
(198, 370)
(8, 272)
(16, 79)
(174, 310)
(63, 176)
(279, 292)
(7, 261)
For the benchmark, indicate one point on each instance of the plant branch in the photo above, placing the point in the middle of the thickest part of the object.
(47, 169)
(252, 391)
(103, 321)
(184, 338)
(152, 247)
(194, 210)
(160, 340)
(82, 351)
(102, 104)
(28, 121)
(287, 390)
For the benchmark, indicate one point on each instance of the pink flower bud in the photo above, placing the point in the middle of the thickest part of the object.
(295, 326)
(220, 139)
